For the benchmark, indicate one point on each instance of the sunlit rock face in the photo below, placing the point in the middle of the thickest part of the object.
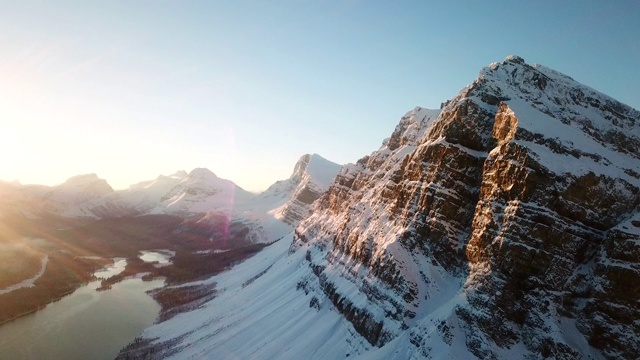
(507, 221)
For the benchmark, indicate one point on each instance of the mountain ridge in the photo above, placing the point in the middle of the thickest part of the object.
(311, 176)
(200, 197)
(484, 229)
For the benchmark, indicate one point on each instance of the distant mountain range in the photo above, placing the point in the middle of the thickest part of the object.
(197, 195)
(505, 225)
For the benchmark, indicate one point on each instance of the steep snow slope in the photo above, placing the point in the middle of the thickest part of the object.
(256, 301)
(503, 226)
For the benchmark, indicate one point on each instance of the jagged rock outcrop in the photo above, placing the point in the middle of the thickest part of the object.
(517, 188)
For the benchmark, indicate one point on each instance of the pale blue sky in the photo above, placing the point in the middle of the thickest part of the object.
(132, 89)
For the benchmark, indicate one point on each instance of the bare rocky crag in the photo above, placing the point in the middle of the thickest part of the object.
(508, 221)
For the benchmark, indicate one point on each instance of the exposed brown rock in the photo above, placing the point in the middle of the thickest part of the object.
(535, 245)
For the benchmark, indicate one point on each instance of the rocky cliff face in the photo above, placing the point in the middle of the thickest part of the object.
(507, 221)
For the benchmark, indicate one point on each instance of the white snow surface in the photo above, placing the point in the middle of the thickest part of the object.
(321, 171)
(260, 316)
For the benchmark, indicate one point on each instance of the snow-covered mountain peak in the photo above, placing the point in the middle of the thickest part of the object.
(86, 182)
(290, 200)
(180, 174)
(203, 179)
(514, 59)
(551, 112)
(300, 168)
(202, 191)
(550, 92)
(80, 188)
(76, 196)
(162, 182)
(202, 174)
(319, 170)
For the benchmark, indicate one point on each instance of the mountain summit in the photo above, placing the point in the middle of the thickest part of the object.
(201, 191)
(505, 225)
(291, 199)
(76, 196)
